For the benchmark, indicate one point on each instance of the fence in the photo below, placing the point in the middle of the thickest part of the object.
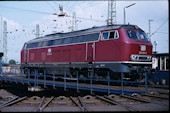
(66, 81)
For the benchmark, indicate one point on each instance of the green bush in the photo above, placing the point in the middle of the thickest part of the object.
(12, 62)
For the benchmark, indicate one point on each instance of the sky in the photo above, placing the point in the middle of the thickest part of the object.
(23, 16)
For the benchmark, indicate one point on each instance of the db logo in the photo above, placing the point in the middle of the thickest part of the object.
(49, 52)
(143, 47)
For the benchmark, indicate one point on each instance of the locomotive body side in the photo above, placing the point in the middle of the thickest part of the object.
(120, 49)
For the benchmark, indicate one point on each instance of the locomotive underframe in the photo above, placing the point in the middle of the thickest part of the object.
(132, 70)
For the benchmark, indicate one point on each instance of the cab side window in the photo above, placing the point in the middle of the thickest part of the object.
(105, 35)
(114, 35)
(110, 35)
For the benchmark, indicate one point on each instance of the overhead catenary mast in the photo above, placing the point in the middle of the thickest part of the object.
(37, 31)
(111, 12)
(5, 50)
(74, 21)
(61, 14)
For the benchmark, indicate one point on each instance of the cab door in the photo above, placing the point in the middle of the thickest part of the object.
(90, 52)
(25, 55)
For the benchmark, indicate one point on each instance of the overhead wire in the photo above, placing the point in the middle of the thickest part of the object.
(71, 5)
(63, 19)
(25, 9)
(51, 13)
(48, 13)
(51, 6)
(90, 5)
(87, 5)
(163, 32)
(66, 6)
(159, 27)
(96, 20)
(55, 3)
(30, 26)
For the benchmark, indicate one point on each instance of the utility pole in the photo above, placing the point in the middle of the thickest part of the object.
(5, 42)
(37, 31)
(149, 34)
(111, 12)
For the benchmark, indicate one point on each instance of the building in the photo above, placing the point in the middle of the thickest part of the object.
(161, 60)
(161, 66)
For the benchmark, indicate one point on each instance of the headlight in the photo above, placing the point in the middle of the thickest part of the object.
(141, 58)
(134, 57)
(149, 58)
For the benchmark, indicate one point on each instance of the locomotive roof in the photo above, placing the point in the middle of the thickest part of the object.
(84, 31)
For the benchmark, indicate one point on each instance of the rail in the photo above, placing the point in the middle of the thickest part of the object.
(120, 104)
(12, 101)
(84, 104)
(81, 107)
(41, 108)
(40, 104)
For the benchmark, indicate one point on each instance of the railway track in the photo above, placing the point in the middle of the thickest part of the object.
(137, 102)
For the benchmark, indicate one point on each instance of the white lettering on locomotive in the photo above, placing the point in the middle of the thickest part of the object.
(140, 52)
(49, 52)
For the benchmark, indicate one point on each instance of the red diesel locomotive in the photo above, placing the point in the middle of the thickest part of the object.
(116, 48)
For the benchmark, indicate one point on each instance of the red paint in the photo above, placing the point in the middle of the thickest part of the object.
(104, 50)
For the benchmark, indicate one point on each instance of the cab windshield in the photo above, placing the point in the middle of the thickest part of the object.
(144, 36)
(137, 35)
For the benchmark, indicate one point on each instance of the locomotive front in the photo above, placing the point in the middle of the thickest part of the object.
(137, 51)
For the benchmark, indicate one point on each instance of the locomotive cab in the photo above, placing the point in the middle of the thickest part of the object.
(138, 50)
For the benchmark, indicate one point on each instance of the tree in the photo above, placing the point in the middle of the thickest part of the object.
(12, 62)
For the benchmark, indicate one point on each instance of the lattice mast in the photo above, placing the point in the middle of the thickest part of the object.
(37, 31)
(111, 12)
(5, 50)
(74, 22)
